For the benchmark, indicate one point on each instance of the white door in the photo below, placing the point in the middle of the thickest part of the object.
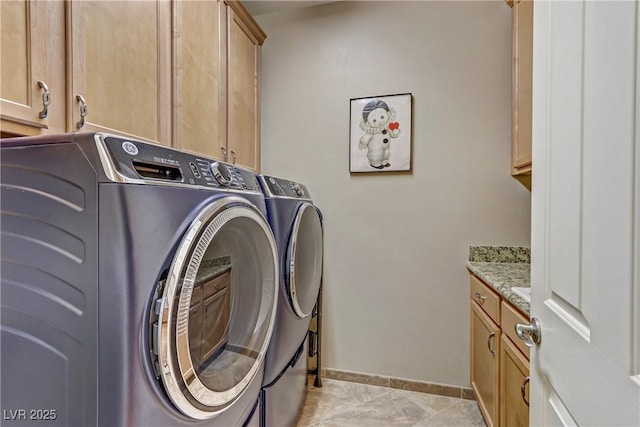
(586, 214)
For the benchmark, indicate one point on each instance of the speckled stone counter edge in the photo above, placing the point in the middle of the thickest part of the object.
(504, 276)
(517, 254)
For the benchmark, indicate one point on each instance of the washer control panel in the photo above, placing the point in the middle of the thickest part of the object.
(284, 188)
(142, 161)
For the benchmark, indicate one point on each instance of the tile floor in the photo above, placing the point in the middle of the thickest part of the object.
(342, 404)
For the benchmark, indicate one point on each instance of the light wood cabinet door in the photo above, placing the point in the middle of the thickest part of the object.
(485, 351)
(514, 386)
(243, 131)
(199, 72)
(509, 318)
(120, 67)
(33, 60)
(522, 96)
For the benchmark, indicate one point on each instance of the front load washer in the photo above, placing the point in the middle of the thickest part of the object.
(297, 226)
(138, 284)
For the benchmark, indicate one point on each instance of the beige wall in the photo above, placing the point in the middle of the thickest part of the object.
(396, 289)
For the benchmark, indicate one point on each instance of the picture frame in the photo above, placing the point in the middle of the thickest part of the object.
(380, 133)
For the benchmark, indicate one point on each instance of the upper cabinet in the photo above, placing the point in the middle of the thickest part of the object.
(216, 72)
(120, 68)
(86, 66)
(522, 73)
(243, 132)
(199, 77)
(32, 85)
(181, 73)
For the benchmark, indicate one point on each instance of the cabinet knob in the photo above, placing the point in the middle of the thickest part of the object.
(224, 153)
(523, 390)
(83, 111)
(46, 99)
(233, 157)
(531, 333)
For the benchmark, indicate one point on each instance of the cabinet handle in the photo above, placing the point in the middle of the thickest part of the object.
(480, 297)
(46, 100)
(491, 335)
(233, 156)
(523, 389)
(83, 111)
(224, 153)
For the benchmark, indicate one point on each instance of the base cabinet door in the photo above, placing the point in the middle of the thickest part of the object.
(485, 353)
(514, 386)
(120, 68)
(32, 84)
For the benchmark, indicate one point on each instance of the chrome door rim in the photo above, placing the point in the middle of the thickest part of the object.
(291, 258)
(175, 342)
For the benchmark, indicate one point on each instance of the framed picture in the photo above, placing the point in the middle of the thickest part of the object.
(380, 133)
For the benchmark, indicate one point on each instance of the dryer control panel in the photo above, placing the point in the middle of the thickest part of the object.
(141, 162)
(278, 187)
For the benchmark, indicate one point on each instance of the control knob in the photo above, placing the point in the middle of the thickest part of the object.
(221, 173)
(298, 190)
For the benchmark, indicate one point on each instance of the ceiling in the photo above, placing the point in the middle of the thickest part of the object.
(261, 7)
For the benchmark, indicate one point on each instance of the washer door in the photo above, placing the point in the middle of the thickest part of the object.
(303, 269)
(216, 313)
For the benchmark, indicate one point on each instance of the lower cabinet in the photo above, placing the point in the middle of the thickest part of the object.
(514, 386)
(485, 350)
(499, 360)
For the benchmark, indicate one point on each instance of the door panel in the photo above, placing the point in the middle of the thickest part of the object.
(585, 214)
(566, 98)
(522, 17)
(33, 50)
(16, 50)
(557, 414)
(485, 351)
(199, 73)
(244, 66)
(123, 75)
(514, 393)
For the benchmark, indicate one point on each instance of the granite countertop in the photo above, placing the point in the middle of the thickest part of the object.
(503, 268)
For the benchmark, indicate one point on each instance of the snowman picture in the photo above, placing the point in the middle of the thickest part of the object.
(379, 127)
(378, 142)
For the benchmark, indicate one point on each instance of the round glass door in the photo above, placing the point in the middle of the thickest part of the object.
(304, 260)
(217, 308)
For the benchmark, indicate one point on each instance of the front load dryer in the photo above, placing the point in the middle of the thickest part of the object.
(297, 226)
(138, 284)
